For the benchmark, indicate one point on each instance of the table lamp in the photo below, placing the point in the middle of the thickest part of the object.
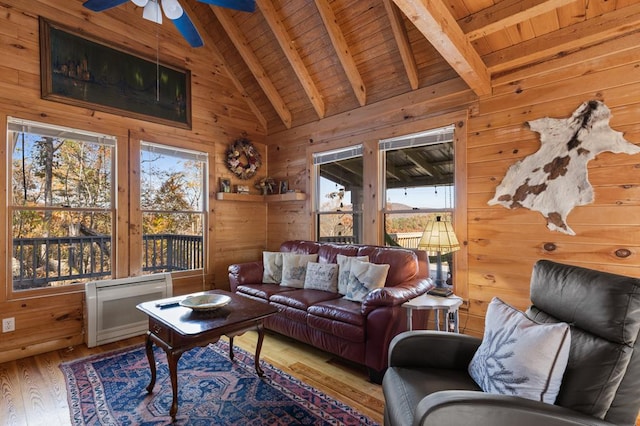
(438, 236)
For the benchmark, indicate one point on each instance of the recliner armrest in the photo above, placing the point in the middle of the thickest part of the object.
(245, 273)
(437, 349)
(467, 407)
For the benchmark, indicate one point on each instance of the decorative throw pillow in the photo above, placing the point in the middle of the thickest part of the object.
(272, 263)
(344, 268)
(294, 268)
(519, 356)
(322, 276)
(363, 278)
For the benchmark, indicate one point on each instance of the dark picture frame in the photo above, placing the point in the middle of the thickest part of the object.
(89, 73)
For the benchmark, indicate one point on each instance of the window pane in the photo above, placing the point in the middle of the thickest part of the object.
(50, 171)
(171, 181)
(340, 196)
(56, 248)
(172, 242)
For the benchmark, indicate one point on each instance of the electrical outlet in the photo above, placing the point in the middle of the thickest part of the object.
(8, 324)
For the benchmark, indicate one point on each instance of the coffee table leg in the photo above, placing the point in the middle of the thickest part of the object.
(231, 354)
(172, 360)
(152, 362)
(256, 358)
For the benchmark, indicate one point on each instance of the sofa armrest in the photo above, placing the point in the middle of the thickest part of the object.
(397, 295)
(469, 407)
(446, 350)
(245, 273)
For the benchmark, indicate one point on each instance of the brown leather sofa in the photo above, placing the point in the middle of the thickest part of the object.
(359, 332)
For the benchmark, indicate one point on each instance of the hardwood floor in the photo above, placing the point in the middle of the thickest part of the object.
(33, 391)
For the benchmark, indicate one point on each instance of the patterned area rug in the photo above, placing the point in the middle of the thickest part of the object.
(109, 389)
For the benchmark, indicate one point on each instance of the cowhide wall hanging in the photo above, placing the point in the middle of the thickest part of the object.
(554, 179)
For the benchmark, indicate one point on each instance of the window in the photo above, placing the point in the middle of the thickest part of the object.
(173, 203)
(61, 204)
(419, 177)
(339, 197)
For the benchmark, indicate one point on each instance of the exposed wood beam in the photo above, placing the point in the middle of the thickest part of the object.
(505, 14)
(342, 50)
(434, 21)
(210, 45)
(242, 44)
(577, 36)
(290, 51)
(402, 40)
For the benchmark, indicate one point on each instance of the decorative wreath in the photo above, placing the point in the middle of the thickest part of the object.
(243, 147)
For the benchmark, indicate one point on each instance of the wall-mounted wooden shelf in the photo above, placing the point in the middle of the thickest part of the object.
(289, 196)
(233, 196)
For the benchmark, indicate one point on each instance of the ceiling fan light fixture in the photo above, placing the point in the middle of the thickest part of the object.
(152, 12)
(140, 3)
(172, 9)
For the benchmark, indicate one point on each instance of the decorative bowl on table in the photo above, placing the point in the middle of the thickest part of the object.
(205, 302)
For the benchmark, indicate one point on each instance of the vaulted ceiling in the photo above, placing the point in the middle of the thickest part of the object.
(297, 61)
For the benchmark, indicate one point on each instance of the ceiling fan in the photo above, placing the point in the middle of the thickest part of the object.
(173, 11)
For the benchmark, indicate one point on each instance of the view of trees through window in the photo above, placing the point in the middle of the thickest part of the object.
(61, 204)
(172, 200)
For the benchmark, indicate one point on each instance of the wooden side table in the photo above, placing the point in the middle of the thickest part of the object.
(449, 305)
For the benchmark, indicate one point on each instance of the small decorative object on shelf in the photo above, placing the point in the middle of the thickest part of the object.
(242, 189)
(225, 185)
(284, 187)
(266, 185)
(239, 148)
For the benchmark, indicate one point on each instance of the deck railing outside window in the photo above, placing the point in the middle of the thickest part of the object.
(70, 260)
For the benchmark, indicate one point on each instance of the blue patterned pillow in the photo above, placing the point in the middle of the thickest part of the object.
(519, 356)
(294, 268)
(363, 278)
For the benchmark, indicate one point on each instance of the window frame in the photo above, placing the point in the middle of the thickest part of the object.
(137, 264)
(52, 130)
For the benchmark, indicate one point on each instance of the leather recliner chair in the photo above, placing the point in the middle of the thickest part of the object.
(427, 382)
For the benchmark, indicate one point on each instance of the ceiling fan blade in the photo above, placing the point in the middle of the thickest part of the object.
(243, 5)
(188, 30)
(100, 5)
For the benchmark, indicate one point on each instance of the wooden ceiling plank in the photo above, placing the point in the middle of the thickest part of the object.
(435, 22)
(576, 36)
(210, 45)
(505, 14)
(402, 40)
(288, 47)
(242, 45)
(342, 50)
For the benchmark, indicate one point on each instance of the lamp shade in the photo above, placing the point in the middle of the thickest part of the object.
(438, 236)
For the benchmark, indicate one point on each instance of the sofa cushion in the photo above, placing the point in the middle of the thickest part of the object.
(272, 265)
(294, 268)
(363, 278)
(344, 270)
(341, 310)
(321, 276)
(301, 298)
(261, 291)
(519, 356)
(328, 252)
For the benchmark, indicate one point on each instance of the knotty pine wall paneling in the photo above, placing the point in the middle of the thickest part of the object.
(501, 245)
(48, 319)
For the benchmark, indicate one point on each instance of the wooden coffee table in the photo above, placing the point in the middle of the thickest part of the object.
(177, 329)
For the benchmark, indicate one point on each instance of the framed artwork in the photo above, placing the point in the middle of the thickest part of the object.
(225, 185)
(92, 74)
(284, 186)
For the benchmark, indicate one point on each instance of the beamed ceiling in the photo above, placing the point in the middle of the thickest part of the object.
(297, 61)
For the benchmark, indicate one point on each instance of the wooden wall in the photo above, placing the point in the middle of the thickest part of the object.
(48, 320)
(502, 245)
